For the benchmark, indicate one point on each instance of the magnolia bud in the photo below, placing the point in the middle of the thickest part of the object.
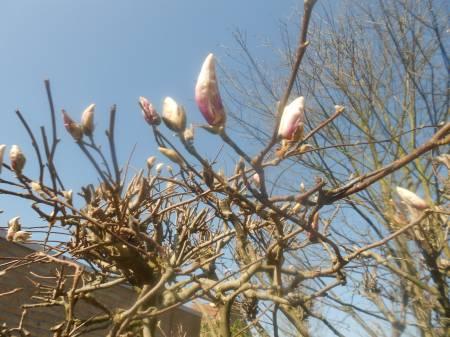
(207, 94)
(159, 168)
(17, 159)
(172, 155)
(173, 115)
(68, 195)
(87, 120)
(257, 180)
(13, 227)
(150, 162)
(149, 112)
(411, 199)
(339, 108)
(35, 186)
(292, 119)
(73, 128)
(2, 153)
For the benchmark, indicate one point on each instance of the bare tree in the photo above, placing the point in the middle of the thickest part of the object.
(229, 238)
(387, 63)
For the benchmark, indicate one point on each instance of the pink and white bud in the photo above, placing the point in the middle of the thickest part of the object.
(292, 119)
(17, 159)
(87, 120)
(72, 127)
(173, 115)
(149, 111)
(2, 154)
(207, 95)
(411, 199)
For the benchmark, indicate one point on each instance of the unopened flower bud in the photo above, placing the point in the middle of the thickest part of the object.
(159, 168)
(87, 120)
(149, 112)
(411, 199)
(292, 119)
(172, 155)
(72, 127)
(257, 180)
(68, 195)
(150, 162)
(2, 153)
(37, 187)
(13, 227)
(17, 159)
(339, 108)
(173, 115)
(207, 94)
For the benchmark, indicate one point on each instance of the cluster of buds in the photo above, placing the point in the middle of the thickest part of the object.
(14, 231)
(87, 123)
(207, 97)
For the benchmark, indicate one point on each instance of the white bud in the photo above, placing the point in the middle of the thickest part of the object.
(159, 168)
(411, 199)
(150, 162)
(173, 115)
(17, 159)
(87, 120)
